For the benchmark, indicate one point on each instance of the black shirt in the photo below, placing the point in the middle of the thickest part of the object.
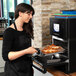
(14, 40)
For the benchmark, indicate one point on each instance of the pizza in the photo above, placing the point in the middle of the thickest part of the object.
(51, 49)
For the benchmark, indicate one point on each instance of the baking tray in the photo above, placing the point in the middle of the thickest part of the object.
(40, 53)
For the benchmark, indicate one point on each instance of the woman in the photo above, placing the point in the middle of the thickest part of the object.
(17, 50)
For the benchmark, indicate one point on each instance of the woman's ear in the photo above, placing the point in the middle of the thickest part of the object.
(20, 14)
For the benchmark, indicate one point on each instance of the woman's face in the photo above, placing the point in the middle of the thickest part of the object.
(26, 17)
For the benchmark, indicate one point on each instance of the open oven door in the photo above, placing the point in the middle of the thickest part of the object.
(41, 61)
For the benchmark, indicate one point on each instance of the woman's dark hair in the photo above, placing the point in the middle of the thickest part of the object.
(22, 7)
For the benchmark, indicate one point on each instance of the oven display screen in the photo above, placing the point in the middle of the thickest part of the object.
(56, 27)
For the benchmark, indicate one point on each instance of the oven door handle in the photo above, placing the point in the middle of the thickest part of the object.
(43, 70)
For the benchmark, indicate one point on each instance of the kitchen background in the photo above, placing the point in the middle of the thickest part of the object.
(44, 10)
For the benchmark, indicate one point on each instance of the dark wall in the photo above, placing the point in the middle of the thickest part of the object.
(0, 8)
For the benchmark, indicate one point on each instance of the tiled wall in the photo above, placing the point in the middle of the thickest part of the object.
(43, 11)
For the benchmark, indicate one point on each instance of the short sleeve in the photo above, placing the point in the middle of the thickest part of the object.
(7, 43)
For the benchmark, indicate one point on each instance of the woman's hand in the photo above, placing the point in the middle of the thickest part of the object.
(31, 50)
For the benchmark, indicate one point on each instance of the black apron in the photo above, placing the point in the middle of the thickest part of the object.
(19, 67)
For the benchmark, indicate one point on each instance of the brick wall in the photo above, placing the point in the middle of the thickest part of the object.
(43, 11)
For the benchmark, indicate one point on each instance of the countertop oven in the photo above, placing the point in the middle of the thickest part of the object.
(63, 34)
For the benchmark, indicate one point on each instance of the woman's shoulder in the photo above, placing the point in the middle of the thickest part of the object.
(9, 29)
(8, 34)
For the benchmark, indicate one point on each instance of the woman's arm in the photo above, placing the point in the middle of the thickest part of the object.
(7, 53)
(14, 55)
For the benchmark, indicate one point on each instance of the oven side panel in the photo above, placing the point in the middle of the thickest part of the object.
(72, 45)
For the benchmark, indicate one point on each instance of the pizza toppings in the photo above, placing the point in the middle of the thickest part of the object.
(51, 49)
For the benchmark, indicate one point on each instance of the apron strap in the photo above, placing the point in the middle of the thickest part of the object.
(15, 26)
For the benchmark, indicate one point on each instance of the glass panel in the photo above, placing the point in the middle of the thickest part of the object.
(20, 1)
(28, 1)
(5, 8)
(11, 8)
